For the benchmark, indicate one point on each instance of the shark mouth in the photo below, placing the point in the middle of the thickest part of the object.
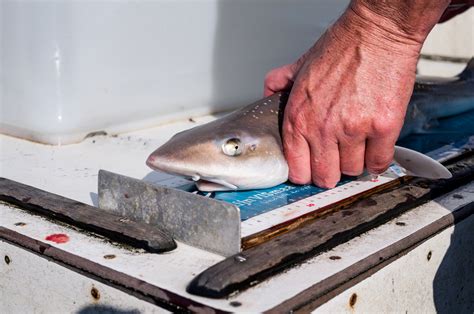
(213, 184)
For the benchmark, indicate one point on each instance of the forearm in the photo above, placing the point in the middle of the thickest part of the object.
(412, 19)
(396, 27)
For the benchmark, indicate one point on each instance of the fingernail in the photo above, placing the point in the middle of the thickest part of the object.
(326, 185)
(299, 181)
(374, 177)
(351, 174)
(376, 171)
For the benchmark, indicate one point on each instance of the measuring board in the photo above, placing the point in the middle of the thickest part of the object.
(227, 222)
(266, 212)
(266, 208)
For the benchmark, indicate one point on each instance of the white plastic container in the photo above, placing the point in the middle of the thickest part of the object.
(69, 68)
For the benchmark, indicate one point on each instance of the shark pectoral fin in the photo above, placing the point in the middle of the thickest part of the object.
(419, 165)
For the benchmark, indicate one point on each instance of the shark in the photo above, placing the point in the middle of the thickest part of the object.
(243, 149)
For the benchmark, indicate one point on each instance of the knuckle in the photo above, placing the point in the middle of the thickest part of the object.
(384, 127)
(325, 132)
(352, 129)
(294, 120)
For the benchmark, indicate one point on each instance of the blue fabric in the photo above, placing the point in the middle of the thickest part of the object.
(449, 130)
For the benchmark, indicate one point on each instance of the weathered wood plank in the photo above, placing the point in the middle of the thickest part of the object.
(86, 217)
(258, 263)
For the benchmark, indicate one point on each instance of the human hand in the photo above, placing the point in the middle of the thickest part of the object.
(348, 99)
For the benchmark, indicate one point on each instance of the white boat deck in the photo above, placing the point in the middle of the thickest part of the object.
(71, 171)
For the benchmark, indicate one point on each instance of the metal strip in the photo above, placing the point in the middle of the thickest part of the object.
(193, 219)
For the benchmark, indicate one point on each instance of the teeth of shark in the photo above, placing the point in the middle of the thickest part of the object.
(196, 178)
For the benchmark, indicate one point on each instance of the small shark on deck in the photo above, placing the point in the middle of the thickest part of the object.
(243, 150)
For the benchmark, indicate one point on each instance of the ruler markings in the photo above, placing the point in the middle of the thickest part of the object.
(312, 203)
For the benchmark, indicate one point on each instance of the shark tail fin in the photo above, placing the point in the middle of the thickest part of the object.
(468, 72)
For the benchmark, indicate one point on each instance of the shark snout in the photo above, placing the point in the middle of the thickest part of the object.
(150, 161)
(154, 162)
(158, 162)
(166, 163)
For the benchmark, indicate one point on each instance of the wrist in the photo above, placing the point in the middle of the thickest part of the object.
(370, 37)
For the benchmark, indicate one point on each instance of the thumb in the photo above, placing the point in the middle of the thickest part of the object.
(282, 78)
(279, 79)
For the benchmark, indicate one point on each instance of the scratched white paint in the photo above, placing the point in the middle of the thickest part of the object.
(32, 284)
(174, 270)
(409, 284)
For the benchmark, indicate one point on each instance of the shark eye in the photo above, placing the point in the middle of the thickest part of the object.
(233, 147)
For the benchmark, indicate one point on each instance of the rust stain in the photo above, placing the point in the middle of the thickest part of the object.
(95, 294)
(353, 300)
